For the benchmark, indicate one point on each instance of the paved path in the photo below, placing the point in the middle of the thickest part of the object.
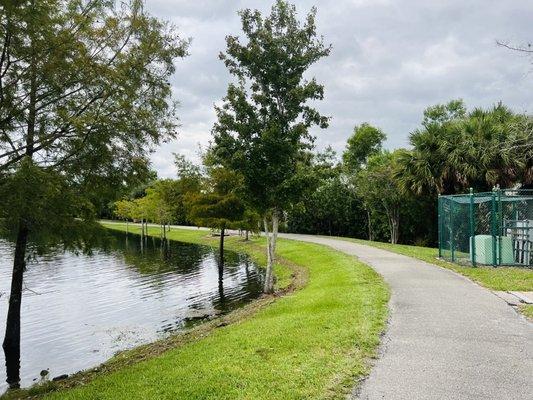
(447, 338)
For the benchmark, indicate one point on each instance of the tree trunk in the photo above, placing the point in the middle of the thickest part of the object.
(247, 235)
(370, 232)
(394, 222)
(271, 252)
(127, 227)
(221, 247)
(11, 343)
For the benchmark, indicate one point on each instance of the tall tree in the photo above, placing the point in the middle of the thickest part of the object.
(84, 92)
(380, 190)
(263, 125)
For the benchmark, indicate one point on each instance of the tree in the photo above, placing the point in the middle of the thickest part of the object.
(250, 222)
(190, 180)
(380, 190)
(158, 204)
(455, 150)
(84, 93)
(103, 193)
(365, 141)
(124, 210)
(331, 206)
(219, 206)
(263, 125)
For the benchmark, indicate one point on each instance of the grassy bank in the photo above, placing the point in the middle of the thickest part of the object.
(527, 310)
(312, 343)
(500, 278)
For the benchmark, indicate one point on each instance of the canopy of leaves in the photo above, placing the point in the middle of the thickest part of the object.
(365, 141)
(263, 125)
(219, 206)
(49, 207)
(455, 150)
(84, 94)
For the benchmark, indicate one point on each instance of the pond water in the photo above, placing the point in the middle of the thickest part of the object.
(79, 310)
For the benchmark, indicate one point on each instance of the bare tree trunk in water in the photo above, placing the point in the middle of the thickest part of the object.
(271, 251)
(11, 343)
(221, 246)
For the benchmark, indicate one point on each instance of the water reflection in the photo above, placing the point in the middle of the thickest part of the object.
(78, 310)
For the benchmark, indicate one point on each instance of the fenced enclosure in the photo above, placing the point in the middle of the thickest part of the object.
(490, 228)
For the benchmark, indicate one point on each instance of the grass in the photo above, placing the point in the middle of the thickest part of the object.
(312, 343)
(527, 310)
(500, 278)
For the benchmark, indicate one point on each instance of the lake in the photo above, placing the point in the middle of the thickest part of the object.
(79, 310)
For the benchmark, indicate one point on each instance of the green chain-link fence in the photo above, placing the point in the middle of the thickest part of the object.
(490, 228)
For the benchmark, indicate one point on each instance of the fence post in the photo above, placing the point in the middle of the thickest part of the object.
(493, 228)
(499, 226)
(472, 228)
(452, 233)
(440, 223)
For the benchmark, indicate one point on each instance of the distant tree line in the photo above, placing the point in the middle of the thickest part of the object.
(386, 195)
(377, 194)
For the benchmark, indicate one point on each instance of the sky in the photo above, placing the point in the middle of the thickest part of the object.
(390, 60)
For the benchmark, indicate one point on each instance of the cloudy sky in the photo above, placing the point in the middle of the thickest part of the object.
(390, 60)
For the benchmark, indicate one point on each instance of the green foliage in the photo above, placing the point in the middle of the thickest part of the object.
(186, 168)
(84, 93)
(53, 211)
(250, 222)
(262, 126)
(331, 206)
(124, 209)
(365, 141)
(455, 150)
(380, 191)
(219, 206)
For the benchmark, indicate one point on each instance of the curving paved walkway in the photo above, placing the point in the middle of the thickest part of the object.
(447, 338)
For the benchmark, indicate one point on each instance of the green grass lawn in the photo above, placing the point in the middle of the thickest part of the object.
(499, 278)
(312, 343)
